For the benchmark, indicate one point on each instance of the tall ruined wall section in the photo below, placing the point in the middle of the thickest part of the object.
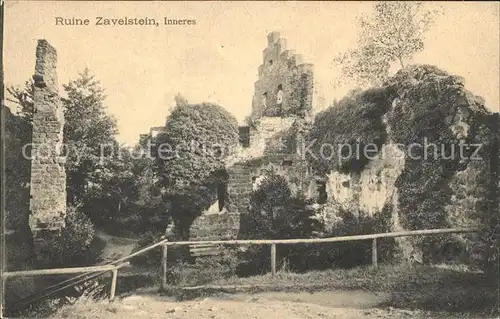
(48, 176)
(285, 83)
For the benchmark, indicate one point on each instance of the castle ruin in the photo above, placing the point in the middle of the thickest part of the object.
(282, 103)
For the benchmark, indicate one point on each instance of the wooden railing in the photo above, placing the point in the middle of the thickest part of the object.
(117, 264)
(274, 242)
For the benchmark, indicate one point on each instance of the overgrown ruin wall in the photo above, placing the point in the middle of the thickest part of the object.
(48, 176)
(419, 175)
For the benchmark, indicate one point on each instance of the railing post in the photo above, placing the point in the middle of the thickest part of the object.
(164, 268)
(374, 252)
(273, 259)
(113, 284)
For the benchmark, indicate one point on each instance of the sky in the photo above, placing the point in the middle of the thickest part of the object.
(216, 60)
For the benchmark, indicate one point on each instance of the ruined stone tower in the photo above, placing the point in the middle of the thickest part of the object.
(48, 176)
(285, 83)
(281, 104)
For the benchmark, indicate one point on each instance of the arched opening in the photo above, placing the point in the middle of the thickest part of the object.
(279, 99)
(221, 195)
(322, 194)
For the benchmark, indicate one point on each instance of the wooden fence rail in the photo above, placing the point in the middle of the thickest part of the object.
(274, 242)
(119, 263)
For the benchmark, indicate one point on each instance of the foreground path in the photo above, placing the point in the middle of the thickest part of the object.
(115, 247)
(302, 305)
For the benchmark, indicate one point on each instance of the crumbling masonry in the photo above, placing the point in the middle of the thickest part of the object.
(282, 102)
(48, 176)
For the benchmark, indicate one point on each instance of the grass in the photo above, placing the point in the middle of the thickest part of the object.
(429, 291)
(429, 288)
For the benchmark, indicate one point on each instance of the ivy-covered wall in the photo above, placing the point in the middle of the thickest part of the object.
(438, 171)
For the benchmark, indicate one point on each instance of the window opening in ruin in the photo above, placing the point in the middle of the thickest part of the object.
(279, 94)
(244, 135)
(322, 195)
(287, 163)
(221, 195)
(270, 62)
(254, 183)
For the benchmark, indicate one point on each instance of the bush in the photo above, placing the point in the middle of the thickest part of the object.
(152, 257)
(276, 214)
(354, 253)
(74, 246)
(211, 268)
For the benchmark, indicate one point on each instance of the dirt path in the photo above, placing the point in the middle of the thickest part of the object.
(116, 247)
(324, 305)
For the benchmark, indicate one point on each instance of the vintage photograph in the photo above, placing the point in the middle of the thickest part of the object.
(267, 159)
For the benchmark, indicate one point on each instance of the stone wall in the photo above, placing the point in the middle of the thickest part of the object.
(215, 227)
(244, 168)
(371, 189)
(48, 176)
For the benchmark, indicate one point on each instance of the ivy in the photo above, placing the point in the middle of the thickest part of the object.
(352, 123)
(428, 102)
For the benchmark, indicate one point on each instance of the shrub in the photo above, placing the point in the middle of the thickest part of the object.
(17, 172)
(74, 246)
(354, 253)
(276, 214)
(152, 257)
(211, 268)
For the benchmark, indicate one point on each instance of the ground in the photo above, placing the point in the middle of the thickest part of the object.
(388, 291)
(115, 247)
(300, 305)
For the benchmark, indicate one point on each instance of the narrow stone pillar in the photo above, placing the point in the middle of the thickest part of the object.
(48, 176)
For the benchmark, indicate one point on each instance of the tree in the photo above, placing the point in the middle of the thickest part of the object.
(88, 130)
(190, 158)
(276, 213)
(394, 34)
(17, 171)
(89, 134)
(23, 97)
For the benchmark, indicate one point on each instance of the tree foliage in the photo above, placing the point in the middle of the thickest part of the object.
(190, 157)
(393, 34)
(23, 98)
(17, 170)
(276, 214)
(88, 130)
